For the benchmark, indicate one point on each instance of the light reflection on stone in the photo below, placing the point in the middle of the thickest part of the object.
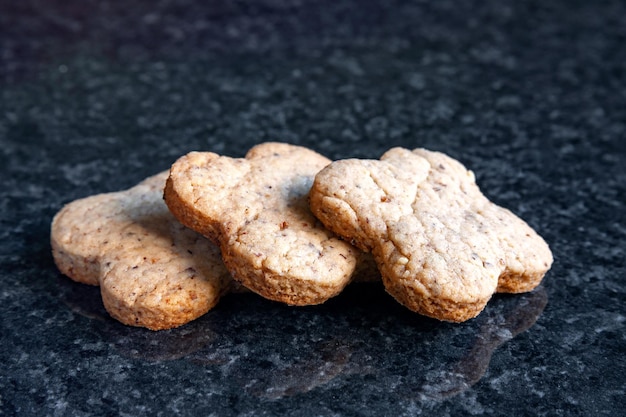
(271, 351)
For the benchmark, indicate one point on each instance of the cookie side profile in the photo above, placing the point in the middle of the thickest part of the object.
(153, 272)
(441, 246)
(256, 209)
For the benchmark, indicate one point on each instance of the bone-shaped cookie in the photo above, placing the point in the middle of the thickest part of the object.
(441, 246)
(153, 272)
(256, 209)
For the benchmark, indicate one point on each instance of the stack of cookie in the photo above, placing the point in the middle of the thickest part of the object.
(289, 224)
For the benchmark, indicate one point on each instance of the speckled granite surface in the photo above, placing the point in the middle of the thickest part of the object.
(95, 96)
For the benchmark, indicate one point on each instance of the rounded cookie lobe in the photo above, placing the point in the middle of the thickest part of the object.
(442, 248)
(153, 272)
(256, 208)
(523, 256)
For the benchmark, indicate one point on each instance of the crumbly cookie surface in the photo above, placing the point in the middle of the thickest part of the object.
(153, 272)
(256, 209)
(441, 246)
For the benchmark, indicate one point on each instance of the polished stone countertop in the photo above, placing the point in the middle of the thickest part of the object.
(95, 96)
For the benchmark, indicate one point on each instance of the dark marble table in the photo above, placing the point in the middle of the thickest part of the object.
(95, 96)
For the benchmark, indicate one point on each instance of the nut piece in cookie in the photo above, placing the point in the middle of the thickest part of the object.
(256, 209)
(441, 246)
(153, 272)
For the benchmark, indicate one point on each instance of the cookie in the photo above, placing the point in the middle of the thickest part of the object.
(153, 272)
(441, 246)
(256, 209)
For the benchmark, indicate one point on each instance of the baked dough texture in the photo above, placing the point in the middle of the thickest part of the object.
(153, 272)
(256, 209)
(443, 249)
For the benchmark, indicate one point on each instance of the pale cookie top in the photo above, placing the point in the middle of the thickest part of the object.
(442, 247)
(256, 209)
(153, 271)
